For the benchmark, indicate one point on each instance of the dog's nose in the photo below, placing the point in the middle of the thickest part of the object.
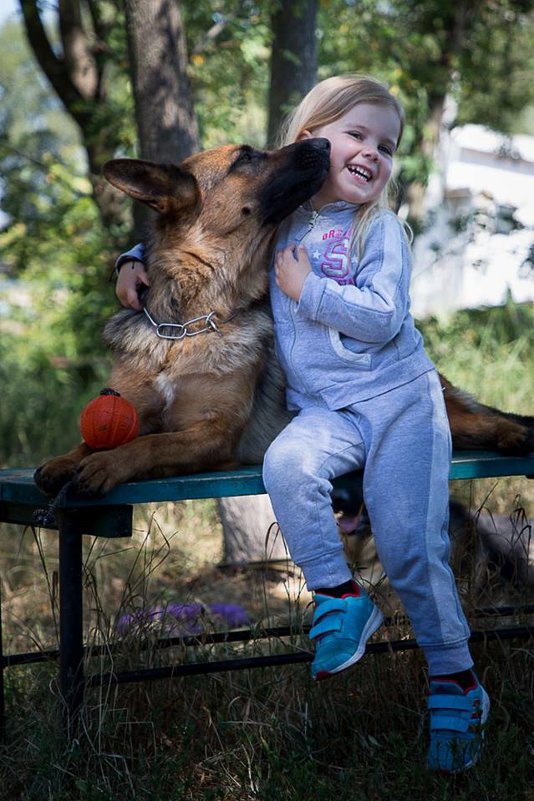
(319, 144)
(313, 151)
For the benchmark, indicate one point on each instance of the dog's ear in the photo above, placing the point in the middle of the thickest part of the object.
(163, 187)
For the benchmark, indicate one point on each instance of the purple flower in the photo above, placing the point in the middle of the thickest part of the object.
(188, 616)
(233, 614)
(135, 620)
(178, 619)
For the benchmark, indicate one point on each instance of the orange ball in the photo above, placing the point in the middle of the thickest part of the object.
(109, 421)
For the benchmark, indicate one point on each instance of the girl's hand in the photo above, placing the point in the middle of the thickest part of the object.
(291, 268)
(132, 276)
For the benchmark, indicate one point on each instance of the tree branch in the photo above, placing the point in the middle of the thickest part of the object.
(53, 66)
(79, 58)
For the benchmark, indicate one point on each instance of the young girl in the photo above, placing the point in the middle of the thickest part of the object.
(367, 396)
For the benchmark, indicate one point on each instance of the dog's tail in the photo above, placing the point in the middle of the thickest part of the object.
(475, 426)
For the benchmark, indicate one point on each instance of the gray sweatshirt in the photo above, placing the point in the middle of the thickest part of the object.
(351, 336)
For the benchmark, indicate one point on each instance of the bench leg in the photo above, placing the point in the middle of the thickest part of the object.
(71, 667)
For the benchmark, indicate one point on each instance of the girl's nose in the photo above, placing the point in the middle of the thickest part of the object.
(370, 152)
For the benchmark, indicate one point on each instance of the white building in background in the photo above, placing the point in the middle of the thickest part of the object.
(479, 247)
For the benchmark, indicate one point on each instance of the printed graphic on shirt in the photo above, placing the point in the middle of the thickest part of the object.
(334, 260)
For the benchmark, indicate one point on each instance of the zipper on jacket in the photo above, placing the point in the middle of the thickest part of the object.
(311, 225)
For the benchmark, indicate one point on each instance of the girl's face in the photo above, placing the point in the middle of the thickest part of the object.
(363, 142)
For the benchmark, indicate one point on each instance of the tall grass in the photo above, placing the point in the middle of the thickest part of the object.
(41, 401)
(266, 734)
(262, 735)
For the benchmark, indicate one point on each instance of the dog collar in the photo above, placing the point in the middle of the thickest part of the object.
(181, 330)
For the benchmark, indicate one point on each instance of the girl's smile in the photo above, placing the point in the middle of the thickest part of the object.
(363, 142)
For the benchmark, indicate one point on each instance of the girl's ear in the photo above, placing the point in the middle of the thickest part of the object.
(305, 134)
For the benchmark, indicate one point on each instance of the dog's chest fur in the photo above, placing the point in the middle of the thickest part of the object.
(167, 387)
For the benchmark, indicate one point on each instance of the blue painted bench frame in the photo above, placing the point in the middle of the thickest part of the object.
(111, 516)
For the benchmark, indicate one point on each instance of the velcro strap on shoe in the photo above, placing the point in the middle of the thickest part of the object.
(329, 606)
(450, 702)
(447, 723)
(326, 625)
(327, 617)
(449, 713)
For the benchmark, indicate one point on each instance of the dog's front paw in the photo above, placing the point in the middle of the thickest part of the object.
(52, 475)
(98, 474)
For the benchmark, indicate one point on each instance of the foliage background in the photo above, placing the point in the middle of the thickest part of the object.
(56, 256)
(259, 734)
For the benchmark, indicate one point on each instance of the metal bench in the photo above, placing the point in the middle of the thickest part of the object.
(111, 516)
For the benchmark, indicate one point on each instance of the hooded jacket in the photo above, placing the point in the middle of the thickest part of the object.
(351, 336)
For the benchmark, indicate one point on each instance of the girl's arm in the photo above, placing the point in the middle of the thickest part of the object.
(131, 277)
(374, 309)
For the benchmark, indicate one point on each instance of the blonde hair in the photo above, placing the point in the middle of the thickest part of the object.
(327, 102)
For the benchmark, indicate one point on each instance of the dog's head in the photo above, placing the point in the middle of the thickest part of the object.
(229, 187)
(217, 212)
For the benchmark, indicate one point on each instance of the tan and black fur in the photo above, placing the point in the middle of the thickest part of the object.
(216, 399)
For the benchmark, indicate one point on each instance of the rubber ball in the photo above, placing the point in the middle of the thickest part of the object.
(109, 421)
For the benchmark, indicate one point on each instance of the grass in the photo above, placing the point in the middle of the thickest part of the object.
(263, 735)
(239, 736)
(270, 734)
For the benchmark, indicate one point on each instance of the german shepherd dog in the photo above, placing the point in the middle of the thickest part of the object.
(198, 361)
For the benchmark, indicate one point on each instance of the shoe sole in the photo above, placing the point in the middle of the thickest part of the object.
(373, 624)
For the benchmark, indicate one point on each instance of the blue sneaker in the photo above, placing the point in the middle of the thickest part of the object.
(457, 719)
(341, 628)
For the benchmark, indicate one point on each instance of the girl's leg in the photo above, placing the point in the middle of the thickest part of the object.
(406, 493)
(314, 448)
(317, 446)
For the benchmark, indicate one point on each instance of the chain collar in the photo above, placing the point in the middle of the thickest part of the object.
(181, 330)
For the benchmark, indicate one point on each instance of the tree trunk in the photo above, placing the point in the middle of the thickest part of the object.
(166, 121)
(455, 29)
(293, 59)
(250, 530)
(247, 522)
(167, 128)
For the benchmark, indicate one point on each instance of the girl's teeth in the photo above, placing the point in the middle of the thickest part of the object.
(360, 172)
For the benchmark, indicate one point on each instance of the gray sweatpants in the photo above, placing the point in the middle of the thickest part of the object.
(402, 440)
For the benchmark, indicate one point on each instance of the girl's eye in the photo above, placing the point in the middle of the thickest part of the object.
(355, 134)
(386, 149)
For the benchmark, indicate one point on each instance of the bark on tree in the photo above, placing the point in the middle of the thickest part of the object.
(167, 128)
(416, 191)
(250, 531)
(293, 59)
(247, 522)
(166, 122)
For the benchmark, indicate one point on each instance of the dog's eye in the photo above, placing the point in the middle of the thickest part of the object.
(247, 155)
(245, 211)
